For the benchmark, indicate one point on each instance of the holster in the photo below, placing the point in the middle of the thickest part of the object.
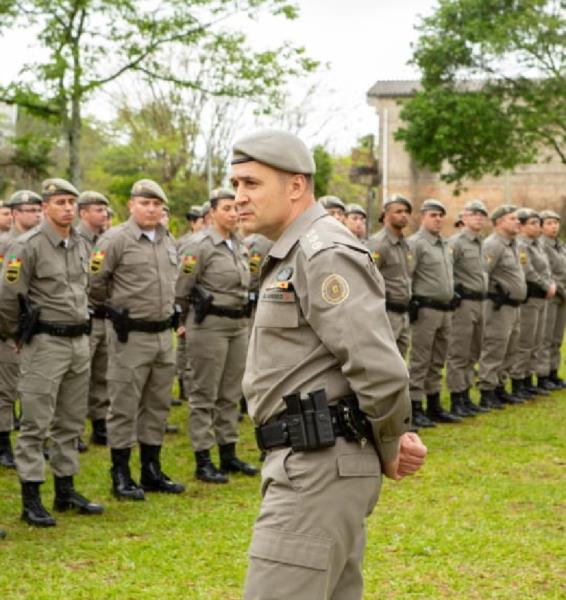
(28, 321)
(119, 319)
(309, 422)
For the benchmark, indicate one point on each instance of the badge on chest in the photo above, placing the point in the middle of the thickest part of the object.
(280, 290)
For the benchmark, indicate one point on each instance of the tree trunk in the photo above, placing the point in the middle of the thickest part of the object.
(74, 137)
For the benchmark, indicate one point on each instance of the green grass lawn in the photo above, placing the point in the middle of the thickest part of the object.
(484, 519)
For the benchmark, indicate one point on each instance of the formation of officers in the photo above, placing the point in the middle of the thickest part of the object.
(87, 309)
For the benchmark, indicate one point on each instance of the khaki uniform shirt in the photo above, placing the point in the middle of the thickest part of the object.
(321, 324)
(90, 237)
(258, 246)
(394, 260)
(128, 270)
(468, 261)
(535, 262)
(208, 261)
(432, 271)
(183, 241)
(504, 266)
(556, 253)
(53, 274)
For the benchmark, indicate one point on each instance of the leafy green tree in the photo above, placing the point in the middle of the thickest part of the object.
(323, 162)
(493, 87)
(88, 44)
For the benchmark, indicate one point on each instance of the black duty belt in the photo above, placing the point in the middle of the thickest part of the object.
(504, 301)
(535, 291)
(396, 307)
(227, 311)
(430, 303)
(470, 294)
(98, 312)
(61, 330)
(149, 326)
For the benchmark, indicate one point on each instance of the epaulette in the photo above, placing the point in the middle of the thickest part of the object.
(28, 235)
(328, 233)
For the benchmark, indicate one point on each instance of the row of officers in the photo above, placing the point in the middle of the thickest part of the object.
(499, 301)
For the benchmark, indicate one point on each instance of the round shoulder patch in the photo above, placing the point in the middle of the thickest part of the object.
(335, 289)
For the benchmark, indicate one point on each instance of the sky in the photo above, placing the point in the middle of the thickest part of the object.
(361, 40)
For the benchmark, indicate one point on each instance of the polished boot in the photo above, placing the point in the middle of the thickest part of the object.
(419, 419)
(506, 398)
(519, 390)
(33, 511)
(99, 435)
(535, 389)
(545, 383)
(6, 453)
(66, 498)
(206, 470)
(123, 486)
(457, 407)
(556, 379)
(153, 479)
(470, 405)
(435, 412)
(230, 463)
(182, 392)
(489, 400)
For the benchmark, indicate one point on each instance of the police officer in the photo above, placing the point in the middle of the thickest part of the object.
(334, 207)
(214, 278)
(206, 216)
(196, 223)
(393, 257)
(92, 221)
(556, 308)
(132, 272)
(507, 290)
(48, 266)
(432, 295)
(25, 207)
(355, 220)
(5, 217)
(470, 284)
(317, 331)
(540, 288)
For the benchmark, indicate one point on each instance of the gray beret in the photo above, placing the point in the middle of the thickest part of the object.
(54, 186)
(205, 208)
(476, 206)
(524, 214)
(355, 209)
(90, 197)
(3, 204)
(329, 202)
(398, 199)
(278, 149)
(222, 194)
(24, 197)
(431, 204)
(501, 211)
(194, 212)
(549, 214)
(110, 211)
(458, 220)
(147, 188)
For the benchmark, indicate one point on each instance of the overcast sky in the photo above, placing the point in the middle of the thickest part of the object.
(362, 40)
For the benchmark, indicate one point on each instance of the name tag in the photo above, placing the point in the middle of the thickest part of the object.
(278, 295)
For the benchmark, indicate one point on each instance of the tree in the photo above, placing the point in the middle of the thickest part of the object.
(90, 43)
(323, 162)
(493, 88)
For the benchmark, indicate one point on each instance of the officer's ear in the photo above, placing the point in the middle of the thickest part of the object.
(299, 185)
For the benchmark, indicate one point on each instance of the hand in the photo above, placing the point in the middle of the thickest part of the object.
(412, 453)
(551, 292)
(181, 331)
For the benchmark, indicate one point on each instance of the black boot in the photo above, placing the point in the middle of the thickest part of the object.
(535, 389)
(470, 405)
(6, 454)
(505, 398)
(556, 379)
(206, 470)
(33, 511)
(123, 486)
(66, 497)
(545, 383)
(519, 390)
(457, 407)
(99, 435)
(419, 419)
(489, 400)
(153, 479)
(435, 412)
(182, 392)
(230, 463)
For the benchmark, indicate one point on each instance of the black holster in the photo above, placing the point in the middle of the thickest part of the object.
(28, 321)
(309, 421)
(119, 319)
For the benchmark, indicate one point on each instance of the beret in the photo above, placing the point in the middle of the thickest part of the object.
(147, 188)
(398, 199)
(194, 212)
(549, 214)
(51, 187)
(355, 209)
(501, 211)
(205, 209)
(458, 220)
(90, 197)
(24, 197)
(431, 204)
(476, 206)
(278, 149)
(524, 214)
(222, 194)
(328, 202)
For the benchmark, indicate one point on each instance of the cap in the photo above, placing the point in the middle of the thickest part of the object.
(476, 206)
(54, 186)
(222, 194)
(549, 214)
(525, 213)
(458, 222)
(398, 199)
(110, 211)
(329, 202)
(147, 188)
(501, 211)
(278, 149)
(90, 197)
(355, 209)
(194, 212)
(205, 209)
(23, 197)
(432, 204)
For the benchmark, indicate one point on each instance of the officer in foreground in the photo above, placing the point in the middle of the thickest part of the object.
(43, 289)
(132, 272)
(323, 376)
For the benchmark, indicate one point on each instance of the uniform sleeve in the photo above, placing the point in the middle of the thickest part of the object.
(376, 250)
(103, 261)
(17, 270)
(532, 274)
(492, 252)
(190, 267)
(344, 304)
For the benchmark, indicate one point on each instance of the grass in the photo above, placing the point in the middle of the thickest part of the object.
(484, 519)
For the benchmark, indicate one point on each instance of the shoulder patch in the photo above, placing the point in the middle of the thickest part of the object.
(335, 289)
(13, 268)
(523, 257)
(96, 260)
(189, 263)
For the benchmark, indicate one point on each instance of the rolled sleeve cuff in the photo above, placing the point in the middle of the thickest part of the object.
(388, 449)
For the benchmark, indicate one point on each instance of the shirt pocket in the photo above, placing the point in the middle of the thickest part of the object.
(282, 315)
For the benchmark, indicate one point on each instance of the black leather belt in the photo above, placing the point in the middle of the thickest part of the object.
(150, 326)
(227, 311)
(430, 303)
(60, 330)
(98, 312)
(535, 291)
(470, 295)
(504, 301)
(396, 307)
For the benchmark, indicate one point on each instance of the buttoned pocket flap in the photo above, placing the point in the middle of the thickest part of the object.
(358, 465)
(277, 314)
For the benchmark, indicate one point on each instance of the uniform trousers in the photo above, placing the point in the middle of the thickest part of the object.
(9, 371)
(526, 357)
(53, 390)
(98, 389)
(401, 330)
(309, 538)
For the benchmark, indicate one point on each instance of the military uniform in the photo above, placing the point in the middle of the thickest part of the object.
(134, 270)
(218, 269)
(506, 292)
(470, 284)
(432, 293)
(52, 273)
